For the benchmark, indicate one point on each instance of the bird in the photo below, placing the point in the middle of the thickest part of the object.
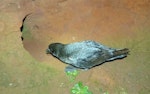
(85, 54)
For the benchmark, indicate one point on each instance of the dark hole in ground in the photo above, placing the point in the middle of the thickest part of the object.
(22, 26)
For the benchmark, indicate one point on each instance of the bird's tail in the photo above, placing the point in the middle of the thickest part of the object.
(123, 52)
(118, 54)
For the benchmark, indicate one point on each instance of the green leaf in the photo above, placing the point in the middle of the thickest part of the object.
(72, 75)
(79, 88)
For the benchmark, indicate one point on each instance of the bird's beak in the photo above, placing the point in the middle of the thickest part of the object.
(47, 51)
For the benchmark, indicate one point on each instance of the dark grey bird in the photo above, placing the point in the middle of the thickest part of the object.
(85, 54)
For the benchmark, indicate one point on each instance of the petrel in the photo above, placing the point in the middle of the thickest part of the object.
(85, 54)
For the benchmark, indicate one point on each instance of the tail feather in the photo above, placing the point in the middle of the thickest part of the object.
(124, 52)
(118, 54)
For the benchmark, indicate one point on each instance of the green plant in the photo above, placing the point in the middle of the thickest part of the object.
(79, 88)
(72, 75)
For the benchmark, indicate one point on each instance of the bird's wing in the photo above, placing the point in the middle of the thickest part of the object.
(83, 52)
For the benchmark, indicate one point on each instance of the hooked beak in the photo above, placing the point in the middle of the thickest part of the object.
(48, 51)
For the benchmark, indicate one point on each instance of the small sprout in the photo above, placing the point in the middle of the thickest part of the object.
(72, 74)
(79, 88)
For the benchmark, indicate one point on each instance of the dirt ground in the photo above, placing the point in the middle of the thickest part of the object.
(26, 69)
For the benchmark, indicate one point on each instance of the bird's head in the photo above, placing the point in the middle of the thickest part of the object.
(54, 49)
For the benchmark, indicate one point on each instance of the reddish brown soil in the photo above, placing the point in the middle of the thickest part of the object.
(115, 23)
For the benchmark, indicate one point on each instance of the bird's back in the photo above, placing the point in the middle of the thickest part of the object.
(84, 54)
